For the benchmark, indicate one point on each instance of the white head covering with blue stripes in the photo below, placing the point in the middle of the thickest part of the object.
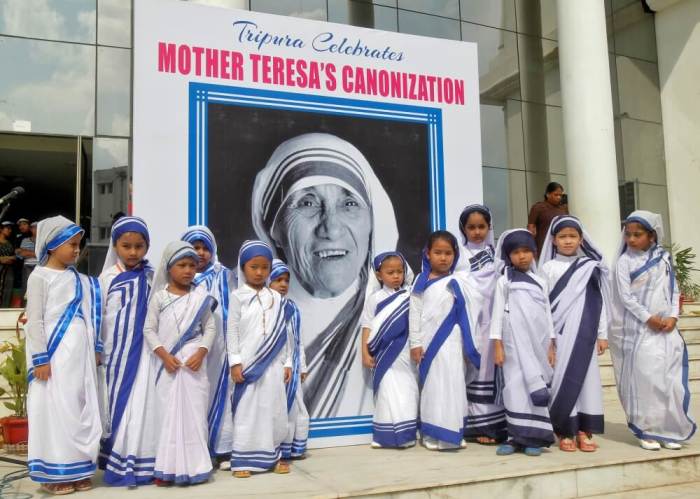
(121, 227)
(51, 233)
(173, 252)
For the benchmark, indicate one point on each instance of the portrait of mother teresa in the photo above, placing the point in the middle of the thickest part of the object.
(319, 204)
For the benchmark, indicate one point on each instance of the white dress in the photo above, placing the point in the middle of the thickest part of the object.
(64, 416)
(127, 449)
(182, 325)
(651, 367)
(442, 320)
(579, 317)
(257, 339)
(395, 379)
(523, 321)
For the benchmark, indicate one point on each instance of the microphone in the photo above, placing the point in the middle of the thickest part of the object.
(16, 191)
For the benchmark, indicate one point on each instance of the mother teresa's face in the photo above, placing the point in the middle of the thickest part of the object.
(324, 231)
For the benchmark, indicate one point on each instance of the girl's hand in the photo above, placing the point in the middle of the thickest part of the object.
(237, 373)
(42, 372)
(98, 359)
(499, 354)
(171, 363)
(669, 324)
(195, 361)
(367, 360)
(287, 375)
(552, 354)
(655, 323)
(602, 346)
(303, 376)
(417, 354)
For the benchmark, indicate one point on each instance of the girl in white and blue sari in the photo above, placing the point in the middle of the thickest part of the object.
(294, 445)
(179, 331)
(578, 281)
(485, 419)
(649, 354)
(63, 317)
(385, 350)
(258, 356)
(218, 281)
(443, 309)
(127, 450)
(523, 337)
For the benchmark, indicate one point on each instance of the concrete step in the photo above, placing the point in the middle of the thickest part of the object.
(619, 466)
(680, 491)
(689, 307)
(689, 320)
(690, 334)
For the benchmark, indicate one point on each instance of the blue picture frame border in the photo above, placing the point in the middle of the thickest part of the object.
(201, 94)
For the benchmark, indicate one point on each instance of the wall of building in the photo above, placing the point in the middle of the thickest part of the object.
(678, 44)
(66, 69)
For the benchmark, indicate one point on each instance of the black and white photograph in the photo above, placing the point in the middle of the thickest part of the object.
(322, 190)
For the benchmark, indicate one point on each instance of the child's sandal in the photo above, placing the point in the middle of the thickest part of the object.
(58, 489)
(241, 474)
(282, 468)
(585, 443)
(484, 440)
(83, 485)
(567, 444)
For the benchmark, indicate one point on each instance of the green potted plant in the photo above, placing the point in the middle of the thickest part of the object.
(684, 259)
(13, 369)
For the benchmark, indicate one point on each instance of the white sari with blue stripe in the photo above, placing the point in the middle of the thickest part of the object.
(522, 320)
(651, 367)
(484, 415)
(445, 315)
(294, 444)
(217, 280)
(64, 416)
(127, 450)
(394, 379)
(257, 328)
(578, 314)
(181, 398)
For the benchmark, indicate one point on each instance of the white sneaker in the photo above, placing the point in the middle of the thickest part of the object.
(649, 444)
(671, 445)
(430, 445)
(375, 445)
(407, 445)
(463, 444)
(225, 465)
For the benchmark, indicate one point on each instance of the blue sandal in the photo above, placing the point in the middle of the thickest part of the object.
(505, 449)
(533, 451)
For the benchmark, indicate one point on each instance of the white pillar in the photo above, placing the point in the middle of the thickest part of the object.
(589, 134)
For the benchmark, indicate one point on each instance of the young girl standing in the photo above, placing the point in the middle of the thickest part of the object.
(442, 319)
(217, 280)
(294, 445)
(180, 329)
(127, 451)
(485, 418)
(257, 353)
(649, 354)
(385, 351)
(523, 337)
(578, 282)
(63, 315)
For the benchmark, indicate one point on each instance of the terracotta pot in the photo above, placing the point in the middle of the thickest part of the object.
(15, 430)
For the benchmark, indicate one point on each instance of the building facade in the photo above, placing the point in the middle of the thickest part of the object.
(65, 99)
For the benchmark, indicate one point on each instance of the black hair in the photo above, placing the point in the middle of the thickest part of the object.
(551, 187)
(442, 235)
(464, 217)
